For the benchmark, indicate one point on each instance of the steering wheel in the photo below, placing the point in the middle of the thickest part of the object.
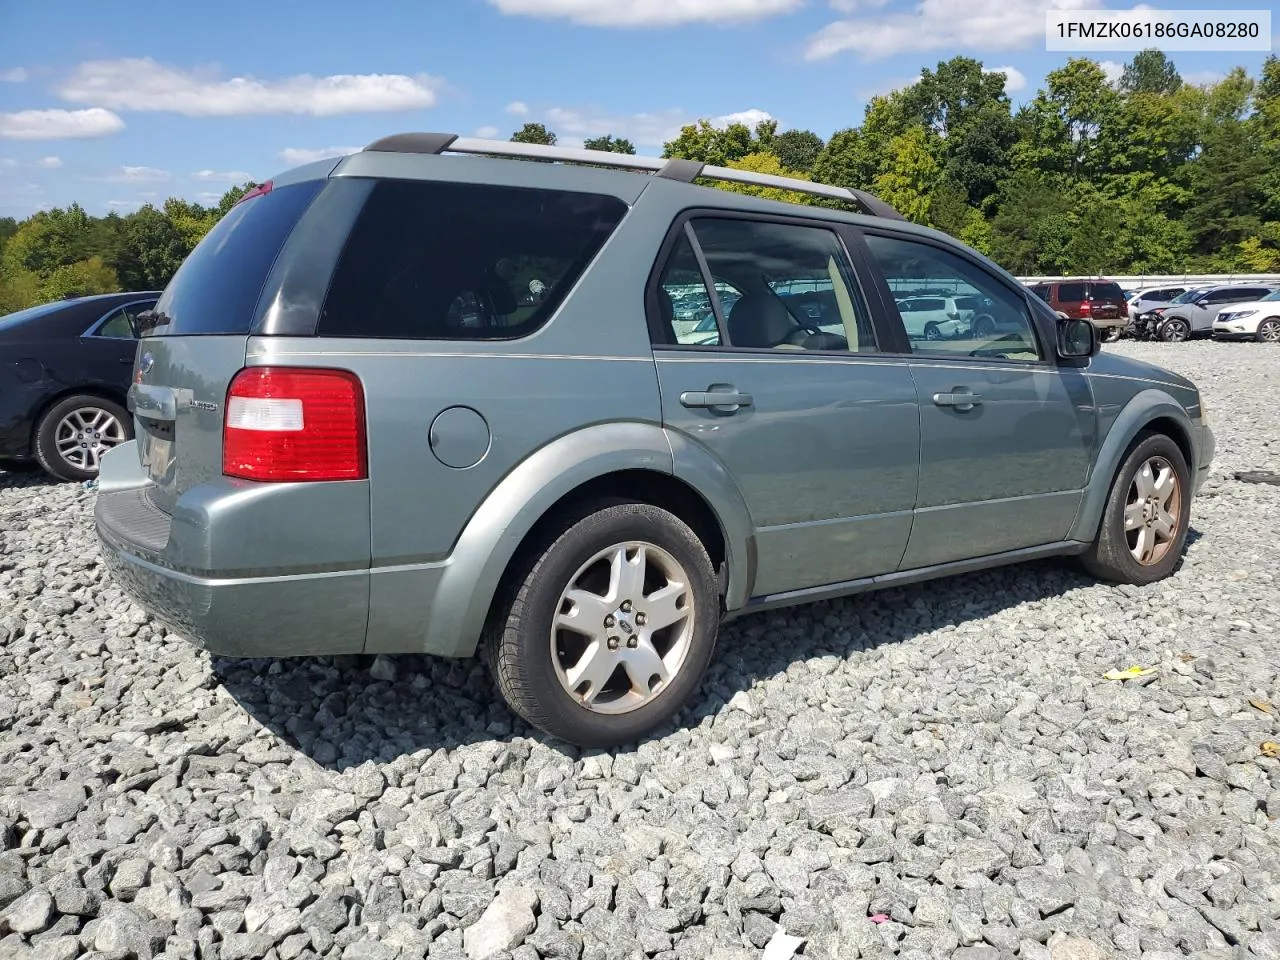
(808, 329)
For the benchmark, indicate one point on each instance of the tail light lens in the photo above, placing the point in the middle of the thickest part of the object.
(1086, 307)
(293, 424)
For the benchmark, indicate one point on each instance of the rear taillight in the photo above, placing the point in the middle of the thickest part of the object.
(1086, 307)
(293, 423)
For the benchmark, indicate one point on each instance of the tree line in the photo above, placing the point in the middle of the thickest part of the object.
(1147, 174)
(66, 252)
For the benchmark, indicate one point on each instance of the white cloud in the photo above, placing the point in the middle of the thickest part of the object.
(222, 176)
(1113, 70)
(13, 75)
(297, 156)
(144, 84)
(852, 6)
(518, 108)
(1014, 79)
(207, 197)
(133, 175)
(123, 204)
(886, 87)
(59, 124)
(1201, 78)
(573, 126)
(487, 133)
(7, 163)
(648, 13)
(969, 25)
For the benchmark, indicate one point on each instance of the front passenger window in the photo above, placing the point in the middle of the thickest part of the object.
(965, 312)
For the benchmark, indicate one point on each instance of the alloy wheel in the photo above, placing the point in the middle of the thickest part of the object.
(1152, 510)
(85, 434)
(623, 627)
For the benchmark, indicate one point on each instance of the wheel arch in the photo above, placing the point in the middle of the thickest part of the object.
(627, 460)
(1151, 411)
(88, 390)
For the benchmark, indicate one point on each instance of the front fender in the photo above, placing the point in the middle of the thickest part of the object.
(474, 569)
(1142, 409)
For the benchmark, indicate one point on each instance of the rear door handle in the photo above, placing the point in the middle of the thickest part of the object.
(715, 398)
(960, 400)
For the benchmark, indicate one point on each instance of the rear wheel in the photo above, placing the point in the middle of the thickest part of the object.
(76, 431)
(984, 326)
(610, 629)
(931, 331)
(1144, 523)
(1112, 334)
(1175, 331)
(1269, 330)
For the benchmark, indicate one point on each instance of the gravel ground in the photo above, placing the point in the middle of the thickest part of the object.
(931, 771)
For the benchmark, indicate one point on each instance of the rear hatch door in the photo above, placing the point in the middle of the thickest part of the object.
(195, 341)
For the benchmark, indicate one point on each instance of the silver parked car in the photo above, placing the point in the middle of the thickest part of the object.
(413, 400)
(1194, 317)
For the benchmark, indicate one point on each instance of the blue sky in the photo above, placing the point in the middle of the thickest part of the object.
(113, 105)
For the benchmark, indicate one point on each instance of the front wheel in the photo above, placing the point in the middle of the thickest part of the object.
(1145, 519)
(76, 431)
(984, 327)
(610, 630)
(931, 331)
(1269, 330)
(1112, 334)
(1175, 331)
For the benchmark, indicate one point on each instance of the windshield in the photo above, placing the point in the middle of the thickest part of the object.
(1186, 297)
(1273, 295)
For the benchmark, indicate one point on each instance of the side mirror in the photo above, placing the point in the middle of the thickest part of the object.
(1077, 339)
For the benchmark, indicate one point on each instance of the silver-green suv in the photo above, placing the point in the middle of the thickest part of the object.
(577, 410)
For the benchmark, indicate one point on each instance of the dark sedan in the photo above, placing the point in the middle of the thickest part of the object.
(64, 373)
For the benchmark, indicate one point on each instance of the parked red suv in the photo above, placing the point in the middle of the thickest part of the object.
(1101, 301)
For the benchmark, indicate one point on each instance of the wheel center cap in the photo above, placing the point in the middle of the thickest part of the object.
(624, 623)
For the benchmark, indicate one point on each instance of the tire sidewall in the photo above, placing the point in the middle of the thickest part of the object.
(1154, 445)
(532, 638)
(46, 448)
(1270, 321)
(1175, 324)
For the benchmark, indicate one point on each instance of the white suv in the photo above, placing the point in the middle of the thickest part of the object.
(1254, 320)
(934, 318)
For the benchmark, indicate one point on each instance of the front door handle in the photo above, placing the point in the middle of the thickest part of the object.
(724, 397)
(960, 399)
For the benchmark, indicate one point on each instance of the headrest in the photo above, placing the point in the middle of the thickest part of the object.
(759, 320)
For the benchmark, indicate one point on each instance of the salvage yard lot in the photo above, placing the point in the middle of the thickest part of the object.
(946, 758)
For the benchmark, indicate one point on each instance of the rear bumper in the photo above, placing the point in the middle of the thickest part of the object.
(226, 571)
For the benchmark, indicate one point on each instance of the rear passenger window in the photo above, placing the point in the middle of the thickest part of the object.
(779, 286)
(1070, 292)
(455, 261)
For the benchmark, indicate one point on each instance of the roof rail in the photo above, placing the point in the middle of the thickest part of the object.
(686, 171)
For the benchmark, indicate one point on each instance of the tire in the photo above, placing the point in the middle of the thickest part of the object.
(1112, 334)
(931, 331)
(528, 659)
(67, 456)
(1111, 556)
(983, 326)
(1175, 331)
(1269, 330)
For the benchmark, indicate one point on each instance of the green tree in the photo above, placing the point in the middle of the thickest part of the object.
(1060, 130)
(766, 163)
(909, 176)
(1150, 71)
(610, 144)
(706, 143)
(534, 133)
(797, 149)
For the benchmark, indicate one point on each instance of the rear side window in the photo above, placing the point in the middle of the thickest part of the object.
(1106, 291)
(454, 261)
(1069, 292)
(216, 289)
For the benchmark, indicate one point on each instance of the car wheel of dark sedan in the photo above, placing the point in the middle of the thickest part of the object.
(1144, 523)
(1175, 331)
(76, 431)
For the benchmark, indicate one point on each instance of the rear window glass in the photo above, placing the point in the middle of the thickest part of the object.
(453, 261)
(1106, 291)
(1068, 292)
(216, 289)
